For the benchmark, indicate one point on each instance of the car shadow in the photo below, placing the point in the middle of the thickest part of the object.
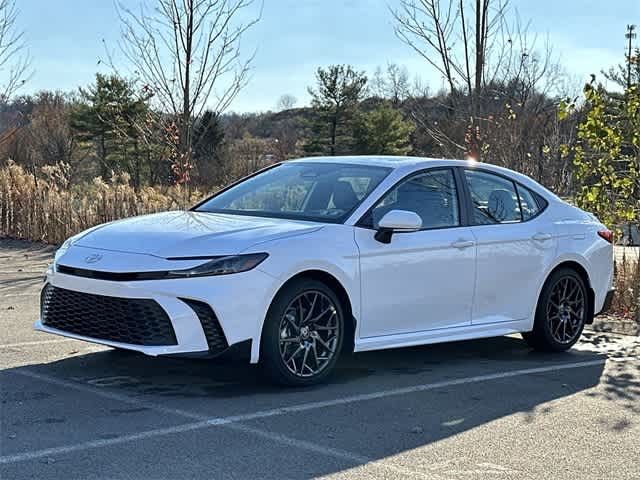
(172, 379)
(137, 374)
(134, 373)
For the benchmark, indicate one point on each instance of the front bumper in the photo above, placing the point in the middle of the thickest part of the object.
(608, 300)
(238, 303)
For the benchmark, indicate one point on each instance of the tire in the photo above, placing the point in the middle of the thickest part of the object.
(561, 312)
(290, 340)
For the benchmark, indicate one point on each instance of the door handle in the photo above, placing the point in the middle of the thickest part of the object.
(541, 237)
(463, 244)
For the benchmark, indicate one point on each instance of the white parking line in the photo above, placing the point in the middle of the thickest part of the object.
(20, 457)
(205, 422)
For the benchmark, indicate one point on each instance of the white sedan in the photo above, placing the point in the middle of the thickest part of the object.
(312, 257)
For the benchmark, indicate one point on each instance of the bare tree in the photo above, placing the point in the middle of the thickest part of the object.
(392, 83)
(486, 58)
(14, 62)
(286, 102)
(435, 29)
(187, 54)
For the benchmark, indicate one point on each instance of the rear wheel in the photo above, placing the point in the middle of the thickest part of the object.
(561, 312)
(303, 334)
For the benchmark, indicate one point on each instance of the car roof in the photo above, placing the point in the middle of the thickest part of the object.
(409, 164)
(382, 161)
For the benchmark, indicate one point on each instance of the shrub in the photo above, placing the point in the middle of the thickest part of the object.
(43, 205)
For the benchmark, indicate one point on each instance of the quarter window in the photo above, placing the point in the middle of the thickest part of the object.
(432, 195)
(528, 203)
(494, 198)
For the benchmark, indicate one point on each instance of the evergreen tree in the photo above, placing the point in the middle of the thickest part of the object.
(335, 100)
(383, 131)
(208, 135)
(110, 118)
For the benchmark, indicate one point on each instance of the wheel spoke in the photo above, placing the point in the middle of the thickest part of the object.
(321, 314)
(304, 360)
(293, 355)
(315, 353)
(300, 310)
(566, 286)
(291, 322)
(323, 328)
(325, 345)
(574, 291)
(557, 329)
(576, 314)
(310, 312)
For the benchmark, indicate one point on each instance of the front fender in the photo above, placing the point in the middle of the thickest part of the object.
(331, 250)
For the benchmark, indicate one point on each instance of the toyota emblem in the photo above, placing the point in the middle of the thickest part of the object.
(96, 257)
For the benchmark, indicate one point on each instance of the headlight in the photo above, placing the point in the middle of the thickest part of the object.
(63, 248)
(221, 266)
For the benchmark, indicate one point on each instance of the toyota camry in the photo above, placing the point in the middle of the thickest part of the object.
(310, 258)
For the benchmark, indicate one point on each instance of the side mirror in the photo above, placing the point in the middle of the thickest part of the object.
(397, 221)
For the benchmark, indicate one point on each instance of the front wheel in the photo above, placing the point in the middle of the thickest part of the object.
(561, 312)
(303, 334)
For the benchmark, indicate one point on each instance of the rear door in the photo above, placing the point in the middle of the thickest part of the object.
(421, 280)
(515, 244)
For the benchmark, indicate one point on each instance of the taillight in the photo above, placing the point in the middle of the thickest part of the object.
(606, 234)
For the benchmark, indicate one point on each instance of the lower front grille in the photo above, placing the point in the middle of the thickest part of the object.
(212, 330)
(135, 321)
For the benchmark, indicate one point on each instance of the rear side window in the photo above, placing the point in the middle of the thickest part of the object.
(528, 203)
(494, 198)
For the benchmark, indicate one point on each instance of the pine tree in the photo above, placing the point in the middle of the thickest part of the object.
(335, 100)
(109, 118)
(208, 135)
(383, 131)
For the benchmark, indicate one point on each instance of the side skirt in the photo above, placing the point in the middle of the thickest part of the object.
(441, 335)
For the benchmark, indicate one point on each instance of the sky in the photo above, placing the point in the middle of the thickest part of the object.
(293, 38)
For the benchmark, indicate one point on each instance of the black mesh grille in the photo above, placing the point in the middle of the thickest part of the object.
(212, 330)
(127, 320)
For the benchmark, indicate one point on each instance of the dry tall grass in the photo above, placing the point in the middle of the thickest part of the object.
(626, 302)
(44, 206)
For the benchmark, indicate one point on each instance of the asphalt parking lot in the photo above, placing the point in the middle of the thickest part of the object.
(467, 410)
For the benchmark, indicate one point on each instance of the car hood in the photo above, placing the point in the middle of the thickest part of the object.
(188, 234)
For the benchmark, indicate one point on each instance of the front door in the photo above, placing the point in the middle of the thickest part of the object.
(421, 280)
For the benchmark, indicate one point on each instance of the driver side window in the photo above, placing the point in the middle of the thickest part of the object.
(431, 195)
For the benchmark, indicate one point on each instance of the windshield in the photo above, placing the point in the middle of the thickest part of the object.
(324, 192)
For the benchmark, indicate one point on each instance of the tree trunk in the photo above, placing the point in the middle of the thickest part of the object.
(333, 134)
(478, 72)
(136, 166)
(185, 131)
(103, 157)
